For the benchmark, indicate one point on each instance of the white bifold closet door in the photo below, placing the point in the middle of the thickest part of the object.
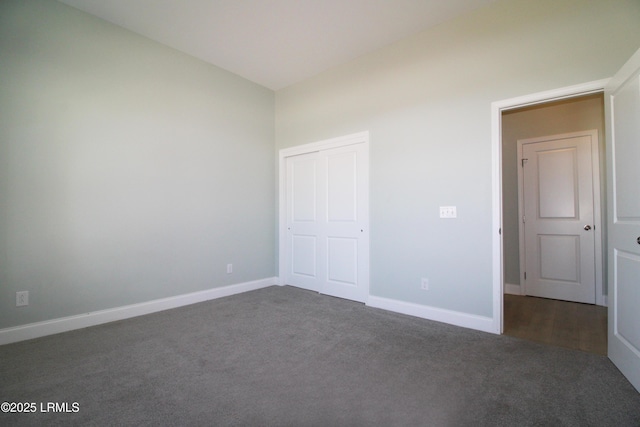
(327, 247)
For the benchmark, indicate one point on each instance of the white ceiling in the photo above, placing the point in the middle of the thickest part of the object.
(276, 42)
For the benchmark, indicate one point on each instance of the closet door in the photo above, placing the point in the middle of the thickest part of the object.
(346, 219)
(304, 227)
(327, 222)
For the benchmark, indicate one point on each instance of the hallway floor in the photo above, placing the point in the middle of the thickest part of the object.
(560, 323)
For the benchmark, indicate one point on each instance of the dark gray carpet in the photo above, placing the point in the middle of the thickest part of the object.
(288, 357)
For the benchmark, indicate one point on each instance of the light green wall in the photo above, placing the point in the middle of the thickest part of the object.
(426, 101)
(128, 171)
(572, 115)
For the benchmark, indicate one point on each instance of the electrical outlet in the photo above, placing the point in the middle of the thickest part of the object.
(448, 212)
(22, 298)
(424, 285)
(229, 268)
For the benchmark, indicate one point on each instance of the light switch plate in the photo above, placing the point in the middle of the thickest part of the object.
(448, 212)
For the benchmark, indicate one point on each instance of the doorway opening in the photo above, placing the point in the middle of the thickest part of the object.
(550, 319)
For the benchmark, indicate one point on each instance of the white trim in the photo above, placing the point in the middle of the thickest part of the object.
(551, 95)
(496, 149)
(511, 289)
(342, 141)
(522, 259)
(64, 324)
(465, 320)
(496, 206)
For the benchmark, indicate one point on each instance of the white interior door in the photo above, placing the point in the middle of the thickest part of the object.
(346, 215)
(303, 224)
(559, 229)
(622, 107)
(327, 244)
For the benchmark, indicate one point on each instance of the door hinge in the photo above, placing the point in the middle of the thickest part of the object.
(525, 275)
(524, 218)
(523, 161)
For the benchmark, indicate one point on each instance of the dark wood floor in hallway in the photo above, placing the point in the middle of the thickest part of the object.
(559, 323)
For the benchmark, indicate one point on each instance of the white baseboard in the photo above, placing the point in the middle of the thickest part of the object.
(512, 289)
(456, 318)
(64, 324)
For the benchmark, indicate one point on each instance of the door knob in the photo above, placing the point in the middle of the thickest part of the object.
(587, 227)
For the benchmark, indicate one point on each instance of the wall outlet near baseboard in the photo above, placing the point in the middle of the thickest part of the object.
(229, 268)
(424, 284)
(22, 298)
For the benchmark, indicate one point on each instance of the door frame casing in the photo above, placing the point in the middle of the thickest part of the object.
(497, 108)
(283, 154)
(597, 207)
